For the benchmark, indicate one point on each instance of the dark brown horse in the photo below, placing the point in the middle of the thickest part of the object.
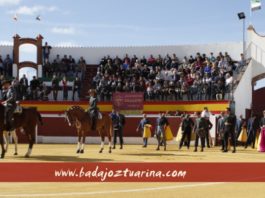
(27, 120)
(78, 118)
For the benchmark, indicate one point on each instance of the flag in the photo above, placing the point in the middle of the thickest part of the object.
(38, 18)
(255, 5)
(15, 17)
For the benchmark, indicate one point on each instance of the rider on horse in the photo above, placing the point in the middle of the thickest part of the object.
(93, 109)
(9, 97)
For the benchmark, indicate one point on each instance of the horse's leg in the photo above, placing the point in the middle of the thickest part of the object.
(2, 144)
(83, 142)
(6, 140)
(102, 142)
(78, 141)
(14, 136)
(31, 142)
(109, 137)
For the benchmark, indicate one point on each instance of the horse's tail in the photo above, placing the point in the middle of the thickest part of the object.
(39, 118)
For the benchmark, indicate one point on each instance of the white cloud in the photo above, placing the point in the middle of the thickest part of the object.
(6, 42)
(9, 2)
(63, 30)
(34, 10)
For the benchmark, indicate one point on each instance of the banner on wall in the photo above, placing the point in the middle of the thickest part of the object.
(133, 102)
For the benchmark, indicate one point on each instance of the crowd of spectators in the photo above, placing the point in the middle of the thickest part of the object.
(37, 89)
(167, 78)
(64, 67)
(202, 77)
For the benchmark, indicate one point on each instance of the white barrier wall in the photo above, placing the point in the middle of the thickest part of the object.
(93, 55)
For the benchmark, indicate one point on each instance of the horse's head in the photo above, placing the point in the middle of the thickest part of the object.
(73, 114)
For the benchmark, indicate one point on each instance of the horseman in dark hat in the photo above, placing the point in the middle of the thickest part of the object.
(93, 108)
(9, 101)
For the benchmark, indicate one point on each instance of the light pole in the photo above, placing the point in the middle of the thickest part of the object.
(242, 16)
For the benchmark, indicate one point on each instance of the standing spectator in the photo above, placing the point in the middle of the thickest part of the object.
(122, 124)
(118, 122)
(206, 115)
(64, 66)
(8, 64)
(81, 68)
(47, 68)
(140, 128)
(24, 86)
(252, 128)
(199, 128)
(220, 129)
(34, 86)
(240, 123)
(46, 49)
(76, 88)
(230, 123)
(55, 87)
(160, 132)
(71, 67)
(65, 88)
(186, 128)
(116, 128)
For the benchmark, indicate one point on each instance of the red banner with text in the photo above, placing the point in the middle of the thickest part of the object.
(128, 101)
(132, 172)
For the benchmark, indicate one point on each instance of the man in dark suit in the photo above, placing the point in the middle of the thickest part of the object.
(220, 129)
(118, 122)
(262, 120)
(24, 86)
(229, 130)
(186, 128)
(122, 124)
(253, 126)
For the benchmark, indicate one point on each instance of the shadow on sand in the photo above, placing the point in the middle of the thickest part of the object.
(54, 158)
(160, 154)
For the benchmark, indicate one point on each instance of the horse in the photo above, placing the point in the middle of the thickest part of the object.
(77, 117)
(7, 135)
(26, 121)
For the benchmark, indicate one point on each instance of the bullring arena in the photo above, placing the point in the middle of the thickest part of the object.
(166, 84)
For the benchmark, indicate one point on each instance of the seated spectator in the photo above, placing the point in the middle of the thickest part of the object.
(151, 61)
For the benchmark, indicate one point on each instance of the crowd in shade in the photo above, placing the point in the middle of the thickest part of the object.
(64, 67)
(199, 77)
(37, 89)
(60, 67)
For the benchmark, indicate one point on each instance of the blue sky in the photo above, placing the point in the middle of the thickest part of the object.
(127, 22)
